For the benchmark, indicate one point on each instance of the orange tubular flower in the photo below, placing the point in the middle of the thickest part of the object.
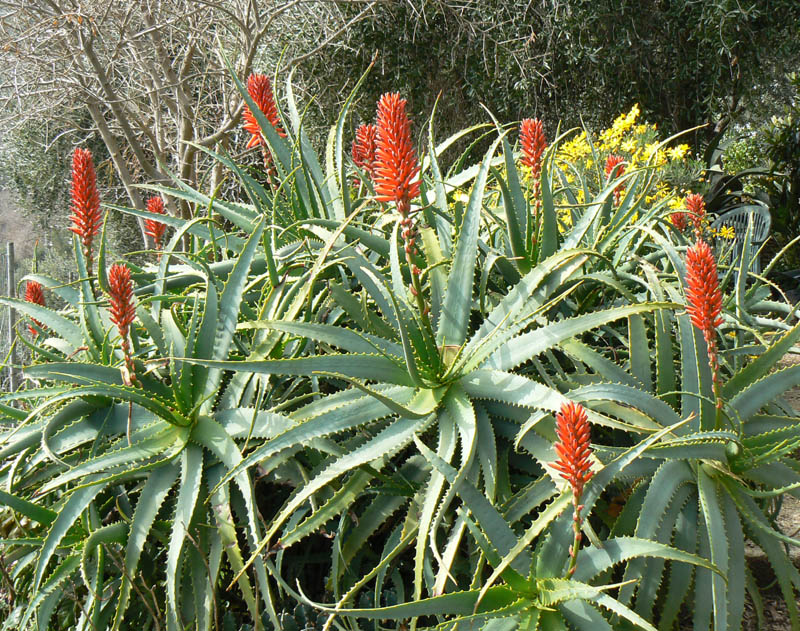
(704, 302)
(533, 142)
(34, 294)
(395, 159)
(696, 207)
(86, 218)
(153, 227)
(260, 90)
(573, 448)
(122, 307)
(364, 148)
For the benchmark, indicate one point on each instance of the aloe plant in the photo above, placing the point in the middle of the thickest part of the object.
(371, 385)
(157, 447)
(706, 489)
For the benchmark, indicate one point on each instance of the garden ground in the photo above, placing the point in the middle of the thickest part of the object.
(776, 617)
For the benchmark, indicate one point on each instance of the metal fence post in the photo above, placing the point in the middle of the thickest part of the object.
(12, 316)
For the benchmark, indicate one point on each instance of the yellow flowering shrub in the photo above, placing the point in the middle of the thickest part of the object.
(635, 141)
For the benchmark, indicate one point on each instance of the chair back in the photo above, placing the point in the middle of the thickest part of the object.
(739, 218)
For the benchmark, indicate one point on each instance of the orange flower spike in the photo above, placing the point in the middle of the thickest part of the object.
(153, 227)
(680, 220)
(533, 143)
(123, 312)
(704, 304)
(614, 166)
(120, 293)
(396, 165)
(86, 218)
(364, 147)
(614, 169)
(696, 208)
(573, 447)
(574, 463)
(702, 289)
(260, 90)
(34, 294)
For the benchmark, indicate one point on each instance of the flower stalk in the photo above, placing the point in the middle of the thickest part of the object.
(396, 171)
(574, 463)
(533, 143)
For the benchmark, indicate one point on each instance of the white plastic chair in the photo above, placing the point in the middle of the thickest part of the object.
(738, 219)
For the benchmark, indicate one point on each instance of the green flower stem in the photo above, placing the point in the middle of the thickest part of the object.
(406, 223)
(576, 541)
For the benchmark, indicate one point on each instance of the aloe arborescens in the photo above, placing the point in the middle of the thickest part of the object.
(86, 218)
(123, 310)
(34, 294)
(574, 461)
(153, 227)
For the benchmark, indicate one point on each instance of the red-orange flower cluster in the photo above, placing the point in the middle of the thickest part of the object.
(34, 294)
(704, 302)
(260, 90)
(123, 309)
(573, 447)
(614, 166)
(533, 142)
(680, 220)
(86, 218)
(120, 293)
(153, 227)
(364, 147)
(696, 207)
(702, 289)
(396, 165)
(615, 169)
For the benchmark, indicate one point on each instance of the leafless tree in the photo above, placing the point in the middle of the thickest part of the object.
(151, 73)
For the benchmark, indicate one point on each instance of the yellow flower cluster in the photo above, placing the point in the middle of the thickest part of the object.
(637, 142)
(725, 232)
(575, 149)
(611, 139)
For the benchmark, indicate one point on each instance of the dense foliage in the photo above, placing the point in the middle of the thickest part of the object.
(362, 394)
(686, 63)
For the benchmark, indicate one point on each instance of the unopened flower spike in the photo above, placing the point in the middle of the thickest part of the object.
(679, 219)
(574, 462)
(396, 165)
(396, 177)
(614, 169)
(123, 312)
(153, 227)
(533, 143)
(696, 208)
(34, 293)
(364, 147)
(259, 88)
